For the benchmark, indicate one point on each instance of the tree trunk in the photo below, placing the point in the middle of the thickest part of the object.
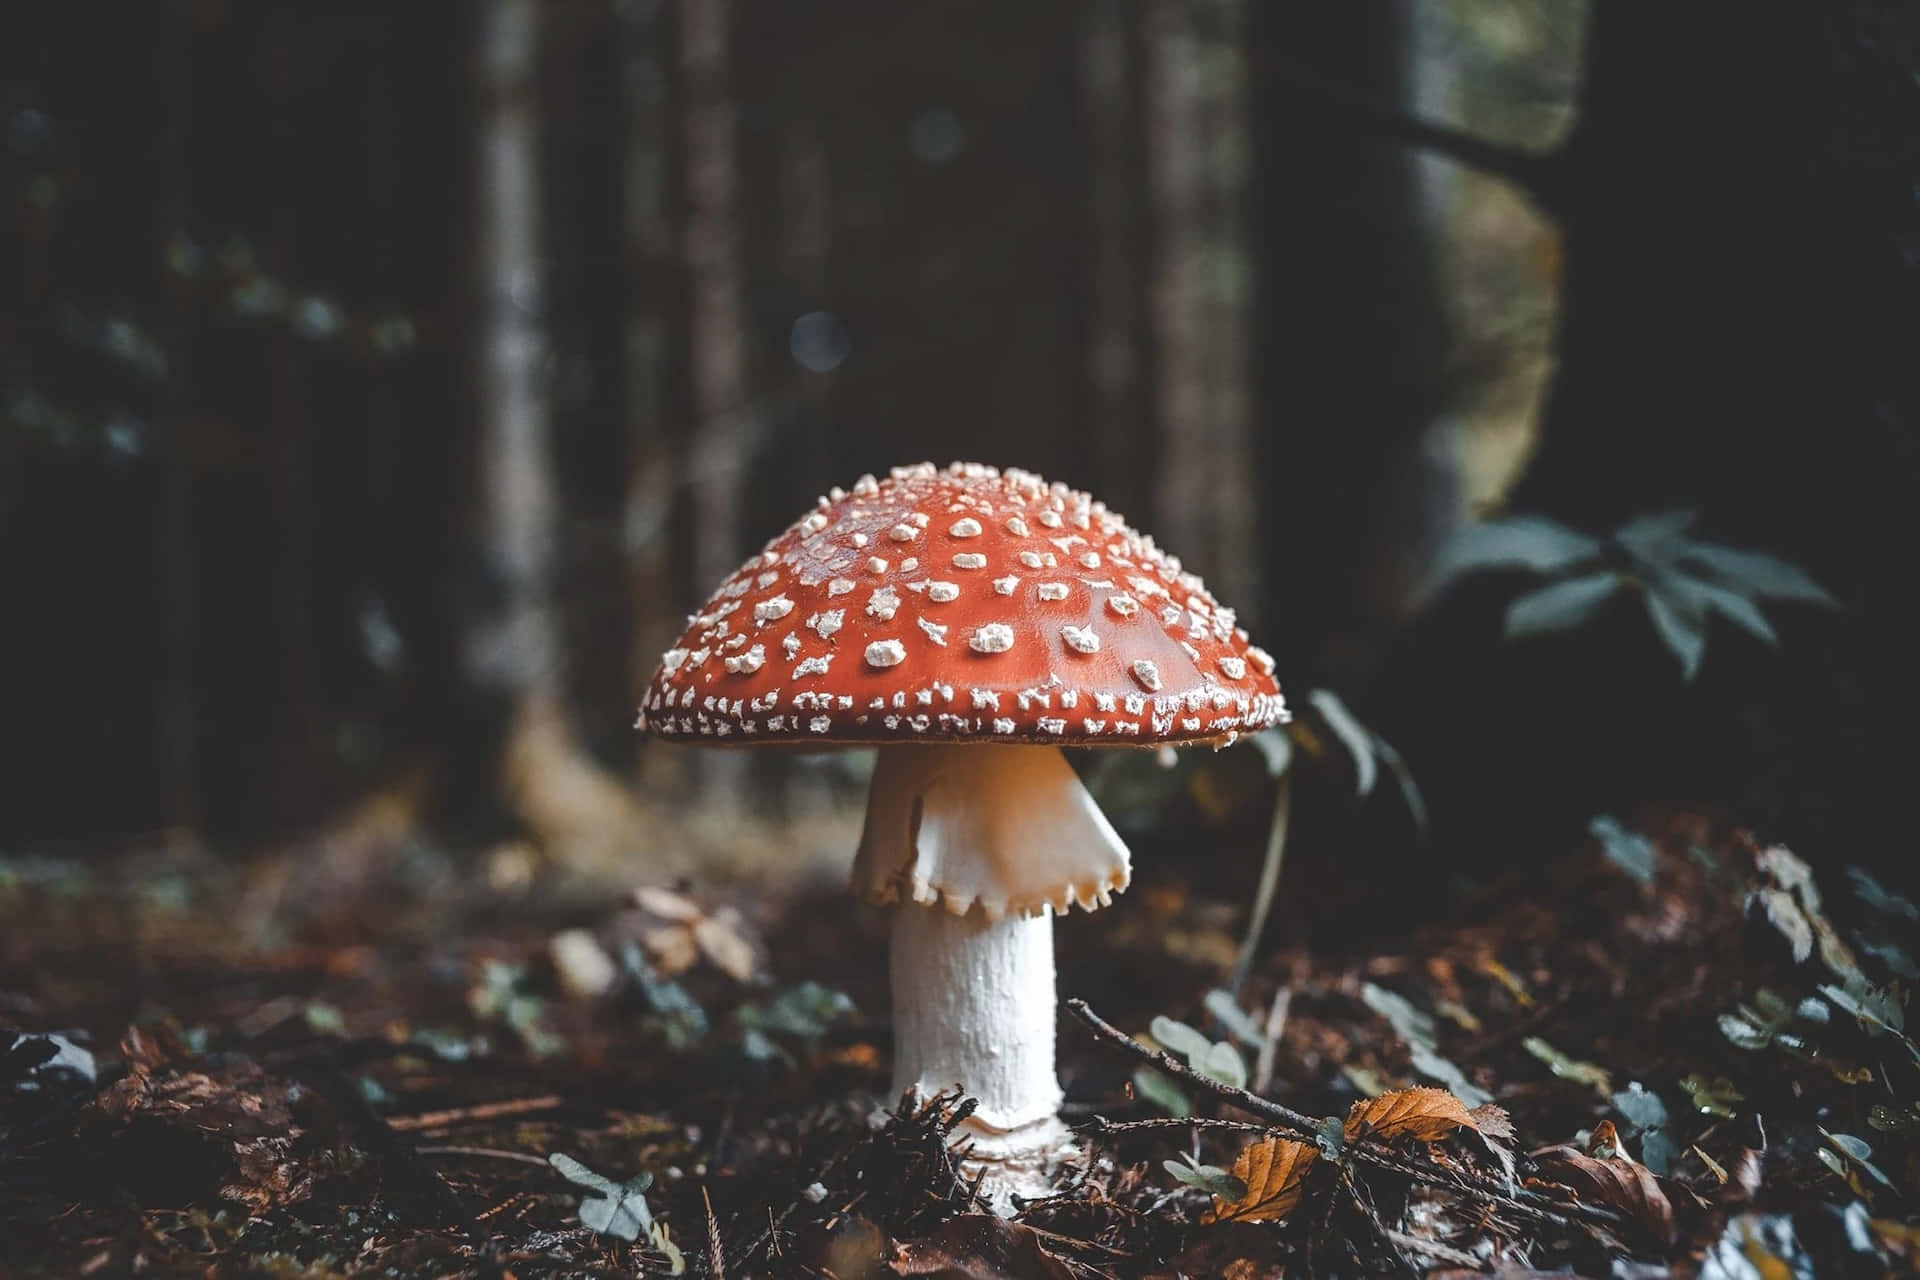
(1349, 339)
(1204, 500)
(720, 426)
(513, 644)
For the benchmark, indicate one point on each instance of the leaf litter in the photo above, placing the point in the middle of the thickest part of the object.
(430, 1087)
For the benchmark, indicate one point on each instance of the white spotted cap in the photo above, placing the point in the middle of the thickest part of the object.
(1027, 613)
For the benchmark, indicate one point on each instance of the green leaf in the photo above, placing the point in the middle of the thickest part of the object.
(1446, 1072)
(1873, 1006)
(1713, 1097)
(1567, 1068)
(1516, 542)
(1756, 573)
(1224, 1063)
(1652, 537)
(1411, 1024)
(1879, 897)
(1178, 1038)
(1632, 852)
(1158, 1088)
(1708, 597)
(617, 1209)
(1409, 789)
(1236, 1020)
(1560, 606)
(1745, 1033)
(1276, 747)
(1681, 625)
(1353, 735)
(1211, 1179)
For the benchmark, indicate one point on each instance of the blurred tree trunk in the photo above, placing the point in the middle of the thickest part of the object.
(720, 429)
(1114, 431)
(1349, 339)
(648, 251)
(1203, 506)
(512, 648)
(176, 566)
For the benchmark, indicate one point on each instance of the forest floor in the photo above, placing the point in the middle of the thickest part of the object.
(1671, 1050)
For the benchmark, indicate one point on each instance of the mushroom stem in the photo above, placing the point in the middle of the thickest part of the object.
(973, 1005)
(977, 847)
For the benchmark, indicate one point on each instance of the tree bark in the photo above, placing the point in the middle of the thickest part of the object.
(513, 645)
(1349, 340)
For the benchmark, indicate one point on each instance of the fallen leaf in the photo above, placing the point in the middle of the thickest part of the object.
(1784, 914)
(1274, 1170)
(617, 1209)
(1419, 1112)
(1617, 1183)
(720, 939)
(979, 1246)
(1593, 1076)
(234, 1124)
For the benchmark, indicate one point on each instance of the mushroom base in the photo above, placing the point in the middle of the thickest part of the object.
(973, 1006)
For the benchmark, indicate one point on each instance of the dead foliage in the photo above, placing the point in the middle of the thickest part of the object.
(1707, 1068)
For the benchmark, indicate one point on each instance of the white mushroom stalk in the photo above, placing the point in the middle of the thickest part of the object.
(977, 848)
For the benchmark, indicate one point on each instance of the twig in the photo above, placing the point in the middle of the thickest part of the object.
(1270, 1046)
(485, 1153)
(1299, 1125)
(1434, 1249)
(479, 1111)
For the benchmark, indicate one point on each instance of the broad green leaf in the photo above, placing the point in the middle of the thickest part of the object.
(617, 1209)
(1757, 573)
(1411, 1024)
(1744, 1032)
(1681, 625)
(1179, 1039)
(1560, 606)
(1158, 1088)
(1224, 1063)
(1632, 852)
(1653, 537)
(1516, 542)
(1236, 1020)
(1711, 597)
(1567, 1068)
(1876, 1008)
(1211, 1179)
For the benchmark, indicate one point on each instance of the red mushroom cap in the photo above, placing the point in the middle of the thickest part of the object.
(964, 604)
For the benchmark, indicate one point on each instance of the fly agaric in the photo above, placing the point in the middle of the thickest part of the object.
(970, 622)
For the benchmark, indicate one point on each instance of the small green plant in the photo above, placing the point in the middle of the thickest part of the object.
(1683, 580)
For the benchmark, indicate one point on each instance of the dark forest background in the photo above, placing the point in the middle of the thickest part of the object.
(381, 383)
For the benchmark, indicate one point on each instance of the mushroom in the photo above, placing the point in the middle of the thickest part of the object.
(970, 622)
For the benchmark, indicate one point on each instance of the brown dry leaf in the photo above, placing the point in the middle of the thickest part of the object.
(667, 904)
(1626, 1185)
(1274, 1170)
(720, 938)
(691, 932)
(1420, 1112)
